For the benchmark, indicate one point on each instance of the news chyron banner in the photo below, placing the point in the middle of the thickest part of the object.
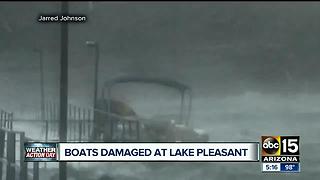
(133, 152)
(280, 154)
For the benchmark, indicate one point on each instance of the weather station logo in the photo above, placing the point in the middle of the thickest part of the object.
(40, 152)
(280, 153)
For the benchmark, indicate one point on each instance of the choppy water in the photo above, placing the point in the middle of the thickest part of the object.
(228, 122)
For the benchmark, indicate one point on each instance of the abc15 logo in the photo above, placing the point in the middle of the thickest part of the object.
(280, 145)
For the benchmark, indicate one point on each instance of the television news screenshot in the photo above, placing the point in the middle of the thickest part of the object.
(139, 90)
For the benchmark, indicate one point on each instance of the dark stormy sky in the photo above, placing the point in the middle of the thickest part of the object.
(254, 69)
(219, 49)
